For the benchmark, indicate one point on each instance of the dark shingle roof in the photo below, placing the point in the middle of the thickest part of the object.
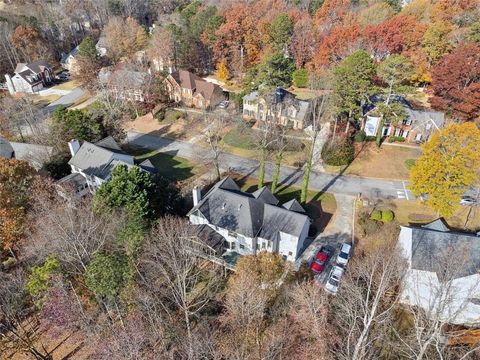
(6, 149)
(226, 206)
(294, 205)
(266, 196)
(434, 245)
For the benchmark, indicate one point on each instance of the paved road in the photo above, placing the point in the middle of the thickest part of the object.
(66, 100)
(347, 185)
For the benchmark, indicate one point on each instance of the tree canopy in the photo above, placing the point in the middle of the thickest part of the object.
(450, 163)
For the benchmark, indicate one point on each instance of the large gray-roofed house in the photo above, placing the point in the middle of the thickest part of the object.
(442, 272)
(96, 161)
(287, 109)
(251, 222)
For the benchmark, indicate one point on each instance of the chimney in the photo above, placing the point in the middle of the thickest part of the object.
(10, 86)
(197, 195)
(74, 146)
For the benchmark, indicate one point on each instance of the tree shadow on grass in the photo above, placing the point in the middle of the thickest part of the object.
(171, 167)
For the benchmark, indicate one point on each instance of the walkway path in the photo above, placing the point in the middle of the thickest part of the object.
(337, 184)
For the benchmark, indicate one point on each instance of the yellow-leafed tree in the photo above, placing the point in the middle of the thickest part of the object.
(222, 71)
(449, 165)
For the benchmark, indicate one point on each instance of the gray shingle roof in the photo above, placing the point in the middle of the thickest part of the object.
(294, 205)
(97, 160)
(6, 149)
(266, 196)
(229, 208)
(434, 245)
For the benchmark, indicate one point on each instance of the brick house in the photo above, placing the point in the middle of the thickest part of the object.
(190, 89)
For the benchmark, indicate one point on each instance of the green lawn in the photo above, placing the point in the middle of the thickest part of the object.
(68, 85)
(174, 168)
(240, 137)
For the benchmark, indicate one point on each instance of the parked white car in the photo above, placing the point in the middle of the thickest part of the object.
(333, 280)
(344, 255)
(468, 200)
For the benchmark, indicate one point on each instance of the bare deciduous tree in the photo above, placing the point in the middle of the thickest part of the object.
(366, 299)
(175, 270)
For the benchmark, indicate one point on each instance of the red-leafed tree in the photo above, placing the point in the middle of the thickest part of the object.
(396, 35)
(331, 13)
(456, 82)
(303, 40)
(341, 42)
(238, 40)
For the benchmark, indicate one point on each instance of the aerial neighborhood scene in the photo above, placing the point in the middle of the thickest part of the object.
(240, 179)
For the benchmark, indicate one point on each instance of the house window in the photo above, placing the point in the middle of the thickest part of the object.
(407, 121)
(232, 233)
(232, 246)
(269, 244)
(290, 253)
(242, 247)
(418, 137)
(264, 245)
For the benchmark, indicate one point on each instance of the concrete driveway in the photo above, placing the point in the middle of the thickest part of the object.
(338, 231)
(66, 100)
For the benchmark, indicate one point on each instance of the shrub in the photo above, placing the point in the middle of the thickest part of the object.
(300, 78)
(339, 152)
(387, 216)
(393, 139)
(409, 163)
(360, 136)
(376, 215)
(370, 138)
(370, 227)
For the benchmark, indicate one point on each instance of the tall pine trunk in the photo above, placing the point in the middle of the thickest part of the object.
(276, 172)
(306, 175)
(261, 169)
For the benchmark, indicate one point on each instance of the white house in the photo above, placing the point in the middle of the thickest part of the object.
(418, 125)
(251, 222)
(442, 272)
(101, 46)
(29, 77)
(68, 61)
(95, 163)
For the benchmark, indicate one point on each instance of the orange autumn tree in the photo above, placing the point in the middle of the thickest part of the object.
(16, 177)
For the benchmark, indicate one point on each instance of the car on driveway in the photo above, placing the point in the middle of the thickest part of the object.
(344, 255)
(333, 280)
(468, 200)
(224, 104)
(321, 259)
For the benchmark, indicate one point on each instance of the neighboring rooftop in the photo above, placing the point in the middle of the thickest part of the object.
(188, 80)
(249, 214)
(6, 149)
(434, 243)
(98, 159)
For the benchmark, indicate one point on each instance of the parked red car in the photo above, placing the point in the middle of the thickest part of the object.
(320, 260)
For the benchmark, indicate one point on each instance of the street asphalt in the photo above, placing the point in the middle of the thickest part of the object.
(337, 184)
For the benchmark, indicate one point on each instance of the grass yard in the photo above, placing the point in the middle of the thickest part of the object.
(67, 85)
(45, 100)
(388, 162)
(174, 168)
(416, 212)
